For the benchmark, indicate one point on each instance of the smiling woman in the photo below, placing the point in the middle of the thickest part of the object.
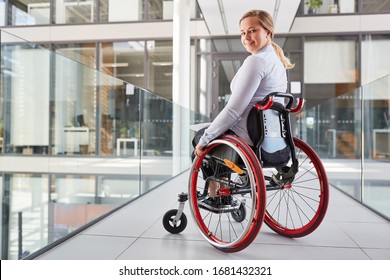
(261, 73)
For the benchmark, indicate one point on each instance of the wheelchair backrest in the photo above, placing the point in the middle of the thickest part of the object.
(270, 132)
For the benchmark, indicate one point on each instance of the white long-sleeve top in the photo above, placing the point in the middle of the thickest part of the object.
(259, 75)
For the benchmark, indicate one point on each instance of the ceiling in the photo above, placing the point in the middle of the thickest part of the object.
(222, 16)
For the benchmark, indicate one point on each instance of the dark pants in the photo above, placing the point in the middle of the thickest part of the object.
(206, 170)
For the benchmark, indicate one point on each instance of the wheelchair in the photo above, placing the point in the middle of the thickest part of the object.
(290, 196)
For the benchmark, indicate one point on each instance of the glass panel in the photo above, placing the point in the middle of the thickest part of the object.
(333, 129)
(376, 192)
(333, 72)
(30, 12)
(156, 136)
(74, 203)
(28, 213)
(159, 68)
(84, 53)
(74, 108)
(120, 127)
(3, 213)
(118, 189)
(128, 141)
(74, 12)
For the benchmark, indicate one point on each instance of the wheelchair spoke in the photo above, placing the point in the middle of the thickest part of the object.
(225, 199)
(296, 207)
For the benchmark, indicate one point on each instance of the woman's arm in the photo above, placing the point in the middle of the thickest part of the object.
(245, 85)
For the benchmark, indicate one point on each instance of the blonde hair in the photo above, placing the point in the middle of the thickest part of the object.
(265, 21)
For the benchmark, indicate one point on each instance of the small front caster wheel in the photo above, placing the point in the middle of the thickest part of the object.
(170, 226)
(240, 214)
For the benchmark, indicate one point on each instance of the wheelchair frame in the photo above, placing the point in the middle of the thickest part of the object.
(292, 200)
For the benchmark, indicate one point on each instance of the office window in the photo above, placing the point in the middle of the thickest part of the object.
(375, 61)
(159, 9)
(30, 12)
(73, 107)
(163, 9)
(84, 53)
(159, 68)
(313, 7)
(125, 60)
(119, 10)
(26, 88)
(375, 6)
(2, 13)
(74, 11)
(330, 67)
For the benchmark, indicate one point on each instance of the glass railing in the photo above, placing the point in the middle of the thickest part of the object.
(76, 144)
(351, 134)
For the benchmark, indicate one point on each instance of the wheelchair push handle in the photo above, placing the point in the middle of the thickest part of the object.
(269, 100)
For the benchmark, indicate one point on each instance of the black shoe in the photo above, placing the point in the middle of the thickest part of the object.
(226, 200)
(210, 203)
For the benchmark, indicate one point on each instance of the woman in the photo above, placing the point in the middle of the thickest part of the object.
(262, 73)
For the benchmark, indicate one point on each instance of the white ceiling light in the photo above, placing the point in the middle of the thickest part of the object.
(119, 64)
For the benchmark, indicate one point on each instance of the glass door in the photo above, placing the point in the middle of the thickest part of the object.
(224, 67)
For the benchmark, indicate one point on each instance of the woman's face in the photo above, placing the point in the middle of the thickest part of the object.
(253, 36)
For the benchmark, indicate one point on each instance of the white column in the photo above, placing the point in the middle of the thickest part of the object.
(181, 52)
(181, 82)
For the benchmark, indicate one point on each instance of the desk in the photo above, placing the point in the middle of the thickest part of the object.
(119, 142)
(74, 137)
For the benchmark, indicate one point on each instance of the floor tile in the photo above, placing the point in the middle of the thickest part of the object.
(89, 247)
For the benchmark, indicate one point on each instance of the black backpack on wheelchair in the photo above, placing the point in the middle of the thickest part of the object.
(269, 123)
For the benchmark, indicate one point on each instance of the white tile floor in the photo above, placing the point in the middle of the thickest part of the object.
(349, 231)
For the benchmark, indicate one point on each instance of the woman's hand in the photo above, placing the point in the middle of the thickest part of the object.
(199, 150)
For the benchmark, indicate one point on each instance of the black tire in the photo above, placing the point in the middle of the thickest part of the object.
(240, 214)
(168, 222)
